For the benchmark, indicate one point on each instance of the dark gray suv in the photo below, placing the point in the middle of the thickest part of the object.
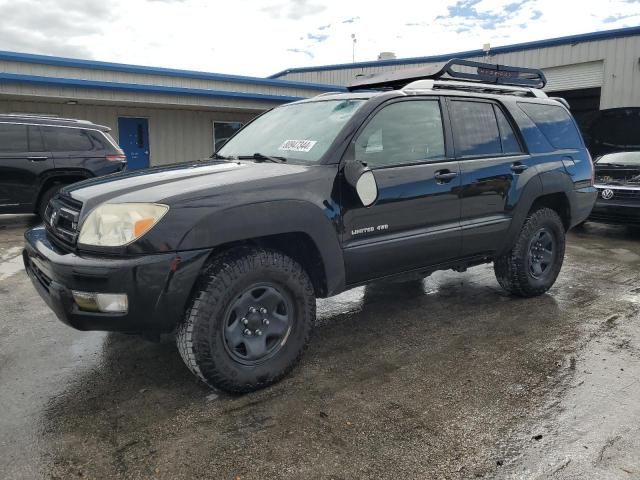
(41, 154)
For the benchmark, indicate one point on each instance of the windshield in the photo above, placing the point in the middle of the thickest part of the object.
(300, 131)
(620, 158)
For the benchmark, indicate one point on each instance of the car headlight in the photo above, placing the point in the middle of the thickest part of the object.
(118, 224)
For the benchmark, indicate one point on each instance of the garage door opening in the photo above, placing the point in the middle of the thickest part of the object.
(584, 103)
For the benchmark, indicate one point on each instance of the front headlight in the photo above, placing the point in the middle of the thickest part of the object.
(118, 224)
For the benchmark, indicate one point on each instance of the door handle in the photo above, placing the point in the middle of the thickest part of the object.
(444, 176)
(518, 167)
(37, 159)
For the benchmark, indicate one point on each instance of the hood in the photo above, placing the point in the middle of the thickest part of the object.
(174, 184)
(614, 130)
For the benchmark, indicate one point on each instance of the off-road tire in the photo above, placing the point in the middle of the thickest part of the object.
(200, 337)
(45, 196)
(512, 270)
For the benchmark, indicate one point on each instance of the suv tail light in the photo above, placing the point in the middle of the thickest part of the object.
(593, 168)
(118, 157)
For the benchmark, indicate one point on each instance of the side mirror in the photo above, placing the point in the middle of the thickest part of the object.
(362, 180)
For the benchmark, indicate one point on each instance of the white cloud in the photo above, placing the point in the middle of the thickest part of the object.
(259, 38)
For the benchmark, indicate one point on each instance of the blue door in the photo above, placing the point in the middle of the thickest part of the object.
(133, 134)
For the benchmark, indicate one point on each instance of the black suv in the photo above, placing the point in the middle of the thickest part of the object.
(403, 176)
(40, 154)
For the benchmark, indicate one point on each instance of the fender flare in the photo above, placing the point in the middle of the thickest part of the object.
(544, 183)
(263, 219)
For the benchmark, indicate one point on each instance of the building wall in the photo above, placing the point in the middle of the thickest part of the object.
(174, 135)
(621, 67)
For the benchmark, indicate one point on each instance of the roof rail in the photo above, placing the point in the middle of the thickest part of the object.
(324, 94)
(47, 117)
(474, 87)
(455, 69)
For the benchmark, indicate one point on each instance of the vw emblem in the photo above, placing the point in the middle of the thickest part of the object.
(607, 194)
(52, 219)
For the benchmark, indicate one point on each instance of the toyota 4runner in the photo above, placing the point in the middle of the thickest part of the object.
(410, 172)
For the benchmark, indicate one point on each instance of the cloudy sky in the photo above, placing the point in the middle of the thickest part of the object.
(254, 37)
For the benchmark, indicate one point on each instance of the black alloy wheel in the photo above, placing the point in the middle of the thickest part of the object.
(542, 250)
(258, 324)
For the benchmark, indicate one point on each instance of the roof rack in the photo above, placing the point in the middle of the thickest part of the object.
(420, 85)
(455, 69)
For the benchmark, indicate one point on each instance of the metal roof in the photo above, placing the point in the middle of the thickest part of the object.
(143, 88)
(121, 67)
(552, 42)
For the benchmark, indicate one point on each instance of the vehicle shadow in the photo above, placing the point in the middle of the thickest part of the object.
(452, 343)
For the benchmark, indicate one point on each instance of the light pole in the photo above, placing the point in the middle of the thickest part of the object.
(353, 47)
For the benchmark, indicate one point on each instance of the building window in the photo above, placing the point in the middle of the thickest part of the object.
(223, 131)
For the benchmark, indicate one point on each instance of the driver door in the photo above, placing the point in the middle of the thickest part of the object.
(415, 220)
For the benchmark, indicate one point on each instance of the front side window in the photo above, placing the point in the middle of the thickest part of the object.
(13, 138)
(299, 131)
(555, 123)
(475, 129)
(402, 133)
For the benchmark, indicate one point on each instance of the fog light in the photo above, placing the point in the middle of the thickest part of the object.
(101, 302)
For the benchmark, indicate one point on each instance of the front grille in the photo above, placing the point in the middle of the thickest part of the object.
(620, 194)
(61, 220)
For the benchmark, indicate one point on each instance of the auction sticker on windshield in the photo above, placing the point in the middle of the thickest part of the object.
(297, 145)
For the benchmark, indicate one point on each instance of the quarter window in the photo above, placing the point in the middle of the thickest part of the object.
(13, 138)
(402, 133)
(66, 139)
(555, 123)
(475, 129)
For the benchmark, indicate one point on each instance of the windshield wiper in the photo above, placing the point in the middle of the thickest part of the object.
(217, 156)
(259, 157)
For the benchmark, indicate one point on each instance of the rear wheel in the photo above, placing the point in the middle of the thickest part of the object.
(249, 320)
(532, 265)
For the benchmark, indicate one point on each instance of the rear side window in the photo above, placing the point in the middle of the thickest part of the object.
(510, 144)
(555, 123)
(475, 129)
(36, 144)
(66, 139)
(13, 138)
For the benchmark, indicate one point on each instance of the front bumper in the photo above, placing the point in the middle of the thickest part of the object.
(616, 212)
(158, 286)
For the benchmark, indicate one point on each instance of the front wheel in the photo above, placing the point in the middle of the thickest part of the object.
(532, 265)
(249, 320)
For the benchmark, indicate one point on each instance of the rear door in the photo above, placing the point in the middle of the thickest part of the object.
(493, 167)
(73, 148)
(415, 221)
(23, 161)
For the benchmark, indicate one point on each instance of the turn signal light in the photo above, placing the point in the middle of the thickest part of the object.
(141, 226)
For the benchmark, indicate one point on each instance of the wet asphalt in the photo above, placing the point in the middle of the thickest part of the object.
(445, 378)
